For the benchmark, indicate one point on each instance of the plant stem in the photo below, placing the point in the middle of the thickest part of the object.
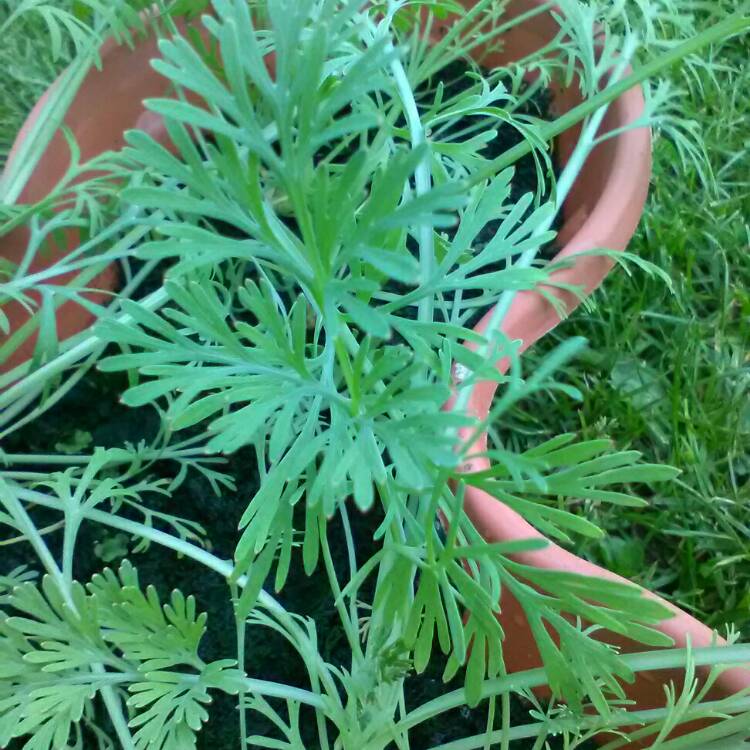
(352, 554)
(27, 329)
(225, 568)
(287, 692)
(505, 741)
(46, 125)
(42, 532)
(716, 33)
(422, 177)
(54, 397)
(703, 738)
(70, 534)
(350, 628)
(707, 710)
(241, 628)
(164, 454)
(596, 108)
(476, 38)
(432, 61)
(645, 661)
(36, 380)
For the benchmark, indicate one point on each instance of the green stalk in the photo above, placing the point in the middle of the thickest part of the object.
(505, 740)
(225, 568)
(13, 459)
(28, 328)
(422, 179)
(19, 406)
(36, 380)
(541, 738)
(350, 627)
(46, 125)
(70, 535)
(89, 344)
(8, 414)
(240, 632)
(432, 60)
(286, 692)
(478, 40)
(42, 532)
(721, 730)
(645, 661)
(716, 33)
(351, 552)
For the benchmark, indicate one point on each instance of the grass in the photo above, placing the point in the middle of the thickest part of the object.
(666, 373)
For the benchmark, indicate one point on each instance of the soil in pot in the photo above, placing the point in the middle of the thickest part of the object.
(455, 78)
(91, 414)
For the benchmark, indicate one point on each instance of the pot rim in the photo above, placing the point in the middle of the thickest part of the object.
(610, 223)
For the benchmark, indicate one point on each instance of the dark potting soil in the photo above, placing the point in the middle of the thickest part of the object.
(93, 408)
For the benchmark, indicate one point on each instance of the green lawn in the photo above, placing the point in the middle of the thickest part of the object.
(666, 373)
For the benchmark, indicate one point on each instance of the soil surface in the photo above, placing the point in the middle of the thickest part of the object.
(525, 179)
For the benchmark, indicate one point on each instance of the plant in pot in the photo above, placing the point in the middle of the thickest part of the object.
(279, 418)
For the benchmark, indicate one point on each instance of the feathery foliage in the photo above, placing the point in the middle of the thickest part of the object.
(318, 209)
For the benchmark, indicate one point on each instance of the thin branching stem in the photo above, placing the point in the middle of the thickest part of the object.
(651, 69)
(422, 175)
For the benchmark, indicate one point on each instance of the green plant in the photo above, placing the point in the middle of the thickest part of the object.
(320, 227)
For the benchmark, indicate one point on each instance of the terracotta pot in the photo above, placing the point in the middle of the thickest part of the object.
(109, 102)
(602, 211)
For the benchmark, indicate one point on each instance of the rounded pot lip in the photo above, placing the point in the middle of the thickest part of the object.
(72, 318)
(108, 47)
(611, 224)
